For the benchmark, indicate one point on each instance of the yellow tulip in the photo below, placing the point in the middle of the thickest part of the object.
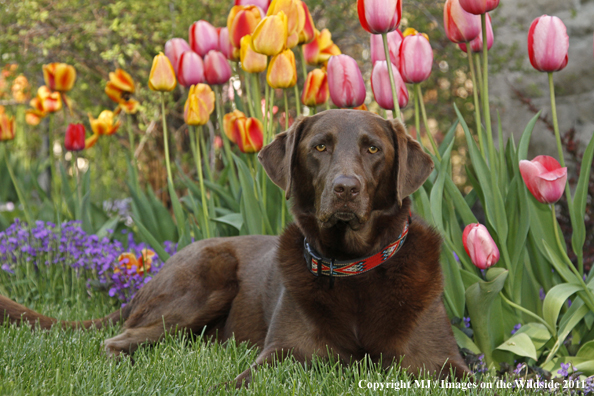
(251, 61)
(270, 36)
(104, 124)
(59, 76)
(200, 105)
(48, 101)
(282, 72)
(162, 77)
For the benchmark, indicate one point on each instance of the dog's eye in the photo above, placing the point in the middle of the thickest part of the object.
(321, 147)
(373, 149)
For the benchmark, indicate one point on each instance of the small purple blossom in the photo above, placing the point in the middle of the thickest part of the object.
(568, 303)
(563, 370)
(466, 321)
(541, 294)
(516, 328)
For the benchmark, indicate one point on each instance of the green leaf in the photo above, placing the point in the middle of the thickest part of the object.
(180, 217)
(150, 239)
(448, 138)
(555, 299)
(579, 200)
(110, 224)
(538, 333)
(525, 139)
(250, 207)
(233, 219)
(464, 342)
(437, 191)
(453, 284)
(587, 350)
(166, 228)
(570, 319)
(519, 344)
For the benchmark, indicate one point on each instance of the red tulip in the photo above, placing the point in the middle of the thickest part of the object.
(379, 16)
(248, 135)
(216, 68)
(242, 20)
(382, 90)
(308, 33)
(263, 4)
(478, 7)
(347, 88)
(476, 45)
(173, 50)
(225, 45)
(480, 246)
(548, 44)
(190, 69)
(203, 37)
(75, 137)
(544, 178)
(377, 47)
(416, 58)
(460, 26)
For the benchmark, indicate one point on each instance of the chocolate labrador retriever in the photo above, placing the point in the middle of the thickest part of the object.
(354, 276)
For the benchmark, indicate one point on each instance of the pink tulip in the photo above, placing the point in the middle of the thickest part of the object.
(216, 68)
(190, 69)
(548, 44)
(382, 90)
(174, 48)
(480, 246)
(377, 47)
(225, 45)
(478, 7)
(460, 26)
(203, 37)
(416, 58)
(476, 45)
(544, 178)
(263, 4)
(379, 16)
(347, 88)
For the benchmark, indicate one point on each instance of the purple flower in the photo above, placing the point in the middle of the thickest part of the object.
(541, 294)
(516, 328)
(466, 321)
(563, 370)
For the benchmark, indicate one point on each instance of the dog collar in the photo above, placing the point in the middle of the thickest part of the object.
(324, 266)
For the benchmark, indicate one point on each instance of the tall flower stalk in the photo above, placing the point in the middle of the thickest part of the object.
(486, 109)
(195, 139)
(391, 75)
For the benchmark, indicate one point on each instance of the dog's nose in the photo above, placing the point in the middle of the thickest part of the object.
(346, 187)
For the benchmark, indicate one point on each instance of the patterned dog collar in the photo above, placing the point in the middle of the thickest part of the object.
(323, 266)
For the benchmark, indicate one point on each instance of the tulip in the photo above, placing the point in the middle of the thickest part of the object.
(380, 85)
(162, 76)
(270, 36)
(379, 16)
(476, 45)
(104, 124)
(90, 141)
(228, 122)
(308, 33)
(282, 72)
(480, 246)
(544, 177)
(173, 50)
(319, 51)
(315, 92)
(59, 76)
(548, 44)
(203, 38)
(295, 18)
(19, 89)
(6, 126)
(75, 137)
(48, 101)
(363, 107)
(133, 265)
(416, 58)
(248, 135)
(345, 82)
(119, 88)
(225, 46)
(200, 105)
(263, 4)
(242, 20)
(478, 7)
(377, 47)
(460, 26)
(122, 81)
(251, 61)
(34, 117)
(130, 106)
(218, 143)
(190, 69)
(216, 68)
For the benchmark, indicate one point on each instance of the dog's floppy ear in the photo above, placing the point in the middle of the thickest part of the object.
(278, 157)
(414, 165)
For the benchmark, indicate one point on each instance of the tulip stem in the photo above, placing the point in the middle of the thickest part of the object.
(77, 179)
(257, 95)
(424, 114)
(297, 100)
(166, 140)
(17, 188)
(391, 75)
(487, 110)
(270, 131)
(132, 156)
(527, 312)
(417, 119)
(248, 93)
(226, 144)
(479, 75)
(195, 142)
(286, 109)
(475, 93)
(303, 65)
(265, 115)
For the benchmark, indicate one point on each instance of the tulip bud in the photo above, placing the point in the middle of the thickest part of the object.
(75, 137)
(173, 50)
(319, 51)
(460, 26)
(548, 44)
(315, 92)
(416, 59)
(248, 135)
(270, 36)
(382, 90)
(295, 18)
(307, 34)
(480, 246)
(544, 177)
(242, 20)
(379, 16)
(200, 105)
(162, 76)
(216, 68)
(478, 7)
(263, 4)
(59, 76)
(251, 61)
(49, 101)
(190, 69)
(225, 45)
(6, 126)
(345, 82)
(228, 121)
(104, 124)
(377, 47)
(476, 45)
(203, 38)
(282, 72)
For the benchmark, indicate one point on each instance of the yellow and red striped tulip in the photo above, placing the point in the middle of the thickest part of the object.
(248, 134)
(162, 77)
(135, 265)
(59, 76)
(90, 141)
(308, 33)
(49, 101)
(104, 124)
(228, 121)
(200, 105)
(119, 88)
(295, 18)
(319, 51)
(242, 20)
(20, 89)
(251, 61)
(270, 36)
(6, 126)
(33, 117)
(315, 92)
(282, 72)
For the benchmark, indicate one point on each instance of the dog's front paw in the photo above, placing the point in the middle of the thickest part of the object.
(243, 379)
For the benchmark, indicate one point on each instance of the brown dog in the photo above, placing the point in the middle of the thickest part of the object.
(349, 173)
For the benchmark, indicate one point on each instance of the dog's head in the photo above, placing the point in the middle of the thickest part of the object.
(343, 165)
